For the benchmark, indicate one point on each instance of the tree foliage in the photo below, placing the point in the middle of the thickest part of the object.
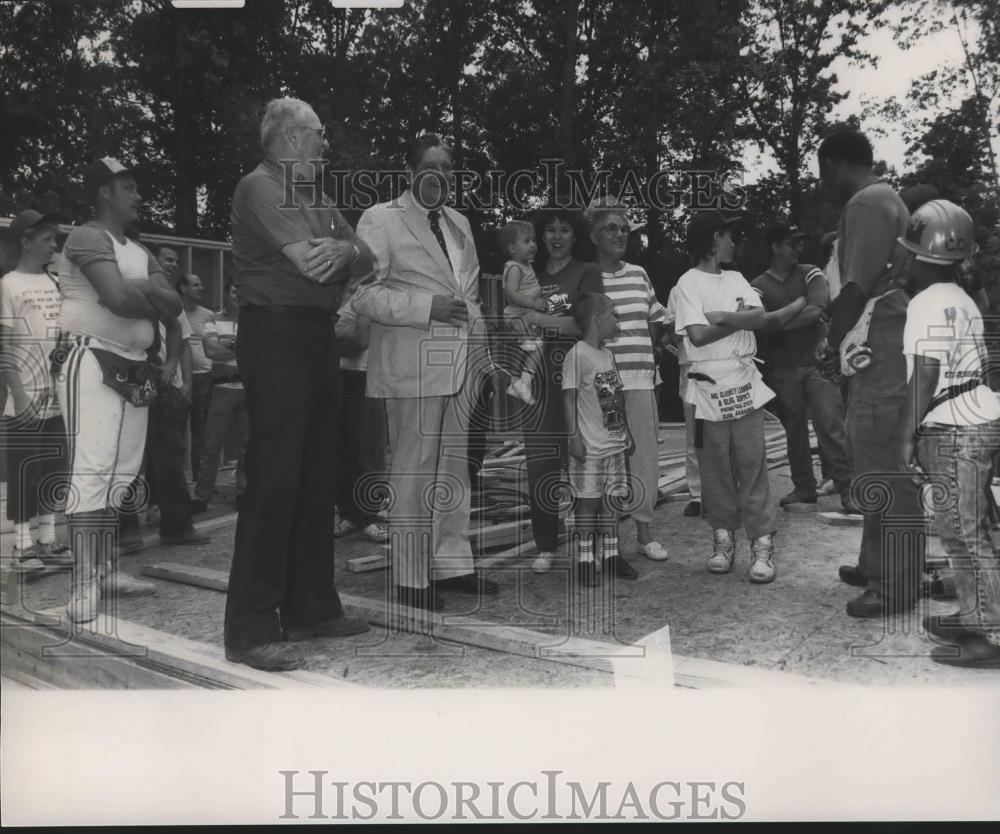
(630, 87)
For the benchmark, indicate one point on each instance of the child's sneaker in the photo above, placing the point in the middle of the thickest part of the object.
(83, 601)
(522, 390)
(54, 555)
(26, 562)
(723, 551)
(618, 566)
(762, 568)
(543, 564)
(652, 550)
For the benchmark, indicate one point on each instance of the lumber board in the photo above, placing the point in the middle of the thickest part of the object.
(690, 672)
(127, 655)
(524, 642)
(842, 519)
(362, 564)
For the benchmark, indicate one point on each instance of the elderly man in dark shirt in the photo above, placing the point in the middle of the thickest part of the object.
(292, 251)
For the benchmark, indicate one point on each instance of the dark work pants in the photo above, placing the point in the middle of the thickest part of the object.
(282, 570)
(37, 465)
(165, 450)
(201, 397)
(544, 432)
(893, 541)
(361, 474)
(803, 393)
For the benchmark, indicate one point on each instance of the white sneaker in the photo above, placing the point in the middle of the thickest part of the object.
(83, 600)
(762, 568)
(377, 531)
(26, 562)
(543, 564)
(723, 551)
(652, 550)
(54, 555)
(827, 487)
(344, 527)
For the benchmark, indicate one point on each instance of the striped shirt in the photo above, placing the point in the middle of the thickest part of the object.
(637, 307)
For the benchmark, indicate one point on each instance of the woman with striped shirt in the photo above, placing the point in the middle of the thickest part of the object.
(638, 310)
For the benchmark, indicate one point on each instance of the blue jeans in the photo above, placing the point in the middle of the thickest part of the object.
(803, 393)
(959, 461)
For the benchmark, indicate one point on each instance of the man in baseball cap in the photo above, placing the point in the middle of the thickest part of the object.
(101, 172)
(802, 391)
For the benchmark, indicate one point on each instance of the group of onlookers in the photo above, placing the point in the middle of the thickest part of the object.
(352, 342)
(109, 362)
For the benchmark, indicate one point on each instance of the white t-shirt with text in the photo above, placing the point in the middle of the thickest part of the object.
(29, 313)
(944, 323)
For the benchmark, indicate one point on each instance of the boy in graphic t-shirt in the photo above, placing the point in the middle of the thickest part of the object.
(951, 427)
(598, 437)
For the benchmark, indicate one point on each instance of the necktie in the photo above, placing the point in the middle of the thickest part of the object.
(435, 218)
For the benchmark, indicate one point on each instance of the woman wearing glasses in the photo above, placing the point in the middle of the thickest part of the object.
(639, 312)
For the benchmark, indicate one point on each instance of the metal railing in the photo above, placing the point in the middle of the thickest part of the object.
(210, 260)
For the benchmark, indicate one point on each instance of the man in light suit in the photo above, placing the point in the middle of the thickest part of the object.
(427, 359)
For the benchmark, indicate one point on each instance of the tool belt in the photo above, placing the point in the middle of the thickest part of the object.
(134, 380)
(225, 379)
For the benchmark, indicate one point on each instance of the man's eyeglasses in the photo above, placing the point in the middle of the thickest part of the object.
(320, 131)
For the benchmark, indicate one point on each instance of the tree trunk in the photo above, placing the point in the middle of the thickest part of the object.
(567, 99)
(185, 168)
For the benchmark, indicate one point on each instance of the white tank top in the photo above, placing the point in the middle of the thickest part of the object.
(82, 314)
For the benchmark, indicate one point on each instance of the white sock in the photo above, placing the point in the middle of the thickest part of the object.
(46, 529)
(22, 535)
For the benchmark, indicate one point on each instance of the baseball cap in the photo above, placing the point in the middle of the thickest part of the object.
(704, 224)
(100, 172)
(29, 218)
(778, 232)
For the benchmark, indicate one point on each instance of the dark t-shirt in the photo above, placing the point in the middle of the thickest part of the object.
(789, 348)
(267, 215)
(575, 279)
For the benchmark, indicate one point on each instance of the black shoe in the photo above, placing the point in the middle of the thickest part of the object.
(424, 598)
(847, 504)
(343, 626)
(469, 583)
(589, 577)
(974, 652)
(271, 657)
(872, 605)
(693, 509)
(198, 505)
(619, 566)
(948, 628)
(796, 497)
(852, 575)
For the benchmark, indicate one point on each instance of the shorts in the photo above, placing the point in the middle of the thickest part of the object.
(595, 477)
(106, 434)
